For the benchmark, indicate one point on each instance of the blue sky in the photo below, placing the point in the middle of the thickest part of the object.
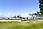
(18, 7)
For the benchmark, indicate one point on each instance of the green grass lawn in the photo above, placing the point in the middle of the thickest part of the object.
(22, 25)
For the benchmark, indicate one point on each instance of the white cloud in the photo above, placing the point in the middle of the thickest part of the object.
(24, 14)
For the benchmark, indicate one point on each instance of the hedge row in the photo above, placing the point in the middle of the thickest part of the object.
(9, 22)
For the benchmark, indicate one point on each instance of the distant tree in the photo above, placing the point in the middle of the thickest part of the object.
(38, 12)
(18, 16)
(8, 18)
(27, 18)
(41, 6)
(33, 15)
(14, 17)
(23, 18)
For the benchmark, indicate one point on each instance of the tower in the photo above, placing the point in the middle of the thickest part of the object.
(41, 6)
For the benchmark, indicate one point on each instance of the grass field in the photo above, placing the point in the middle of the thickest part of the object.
(22, 25)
